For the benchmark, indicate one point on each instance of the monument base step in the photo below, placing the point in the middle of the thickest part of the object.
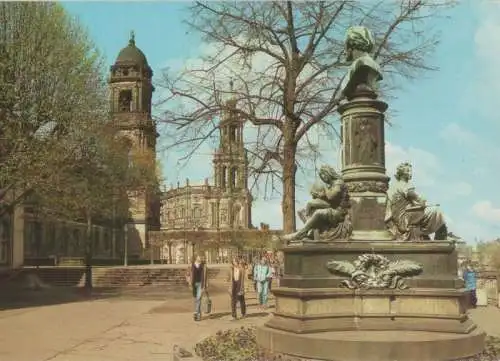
(369, 345)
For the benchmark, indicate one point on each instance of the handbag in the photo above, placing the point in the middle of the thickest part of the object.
(207, 303)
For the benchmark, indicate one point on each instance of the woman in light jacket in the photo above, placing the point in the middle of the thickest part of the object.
(261, 275)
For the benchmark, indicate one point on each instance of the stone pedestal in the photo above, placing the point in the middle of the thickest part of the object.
(317, 319)
(363, 165)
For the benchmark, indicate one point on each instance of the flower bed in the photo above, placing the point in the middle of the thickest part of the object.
(240, 344)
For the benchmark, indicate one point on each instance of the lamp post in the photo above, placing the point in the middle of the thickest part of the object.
(196, 228)
(125, 244)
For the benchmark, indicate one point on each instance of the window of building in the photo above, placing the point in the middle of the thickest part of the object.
(232, 133)
(4, 240)
(50, 237)
(213, 218)
(96, 238)
(236, 219)
(125, 100)
(76, 241)
(107, 240)
(224, 176)
(234, 174)
(38, 236)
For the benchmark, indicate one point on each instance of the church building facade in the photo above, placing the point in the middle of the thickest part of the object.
(224, 205)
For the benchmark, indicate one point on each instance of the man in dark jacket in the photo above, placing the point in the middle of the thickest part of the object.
(237, 277)
(197, 279)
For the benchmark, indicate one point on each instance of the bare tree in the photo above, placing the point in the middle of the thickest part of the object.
(282, 62)
(51, 81)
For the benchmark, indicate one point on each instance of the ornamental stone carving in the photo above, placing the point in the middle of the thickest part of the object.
(374, 271)
(367, 186)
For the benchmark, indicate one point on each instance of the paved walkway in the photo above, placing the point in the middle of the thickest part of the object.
(123, 329)
(110, 329)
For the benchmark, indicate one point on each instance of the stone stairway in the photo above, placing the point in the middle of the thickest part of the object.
(168, 277)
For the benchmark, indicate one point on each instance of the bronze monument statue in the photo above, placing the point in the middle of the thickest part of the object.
(364, 72)
(408, 216)
(362, 280)
(326, 215)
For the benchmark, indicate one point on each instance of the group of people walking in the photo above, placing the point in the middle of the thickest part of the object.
(261, 272)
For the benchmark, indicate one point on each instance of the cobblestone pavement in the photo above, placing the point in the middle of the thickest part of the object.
(123, 329)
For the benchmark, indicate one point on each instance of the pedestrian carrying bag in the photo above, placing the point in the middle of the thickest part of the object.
(207, 303)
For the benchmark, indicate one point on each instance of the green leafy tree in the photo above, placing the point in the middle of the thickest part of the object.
(50, 82)
(95, 183)
(488, 254)
(282, 62)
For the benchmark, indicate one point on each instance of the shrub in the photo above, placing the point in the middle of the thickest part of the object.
(240, 344)
(230, 345)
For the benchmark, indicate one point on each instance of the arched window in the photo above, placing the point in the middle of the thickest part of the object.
(236, 221)
(4, 240)
(234, 175)
(76, 240)
(224, 176)
(125, 100)
(50, 237)
(232, 133)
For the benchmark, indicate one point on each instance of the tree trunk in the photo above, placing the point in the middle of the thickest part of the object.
(88, 253)
(289, 172)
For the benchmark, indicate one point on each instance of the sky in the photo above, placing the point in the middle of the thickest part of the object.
(445, 123)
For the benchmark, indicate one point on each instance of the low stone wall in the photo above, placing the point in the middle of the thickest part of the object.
(488, 280)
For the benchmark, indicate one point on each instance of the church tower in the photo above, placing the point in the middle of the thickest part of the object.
(231, 171)
(131, 93)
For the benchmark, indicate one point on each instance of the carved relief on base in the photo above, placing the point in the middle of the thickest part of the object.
(374, 271)
(367, 186)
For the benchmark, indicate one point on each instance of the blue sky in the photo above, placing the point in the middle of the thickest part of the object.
(446, 122)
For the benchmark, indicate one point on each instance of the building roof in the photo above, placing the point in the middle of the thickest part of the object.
(132, 54)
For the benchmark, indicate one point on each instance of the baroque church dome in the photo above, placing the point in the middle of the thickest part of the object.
(131, 54)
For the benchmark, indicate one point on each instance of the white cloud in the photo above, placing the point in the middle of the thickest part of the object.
(460, 189)
(455, 133)
(486, 211)
(487, 49)
(469, 145)
(425, 165)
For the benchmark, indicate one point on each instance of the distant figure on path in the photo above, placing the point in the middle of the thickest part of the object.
(470, 284)
(261, 275)
(197, 279)
(254, 264)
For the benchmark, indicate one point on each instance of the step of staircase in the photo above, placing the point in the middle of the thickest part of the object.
(111, 277)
